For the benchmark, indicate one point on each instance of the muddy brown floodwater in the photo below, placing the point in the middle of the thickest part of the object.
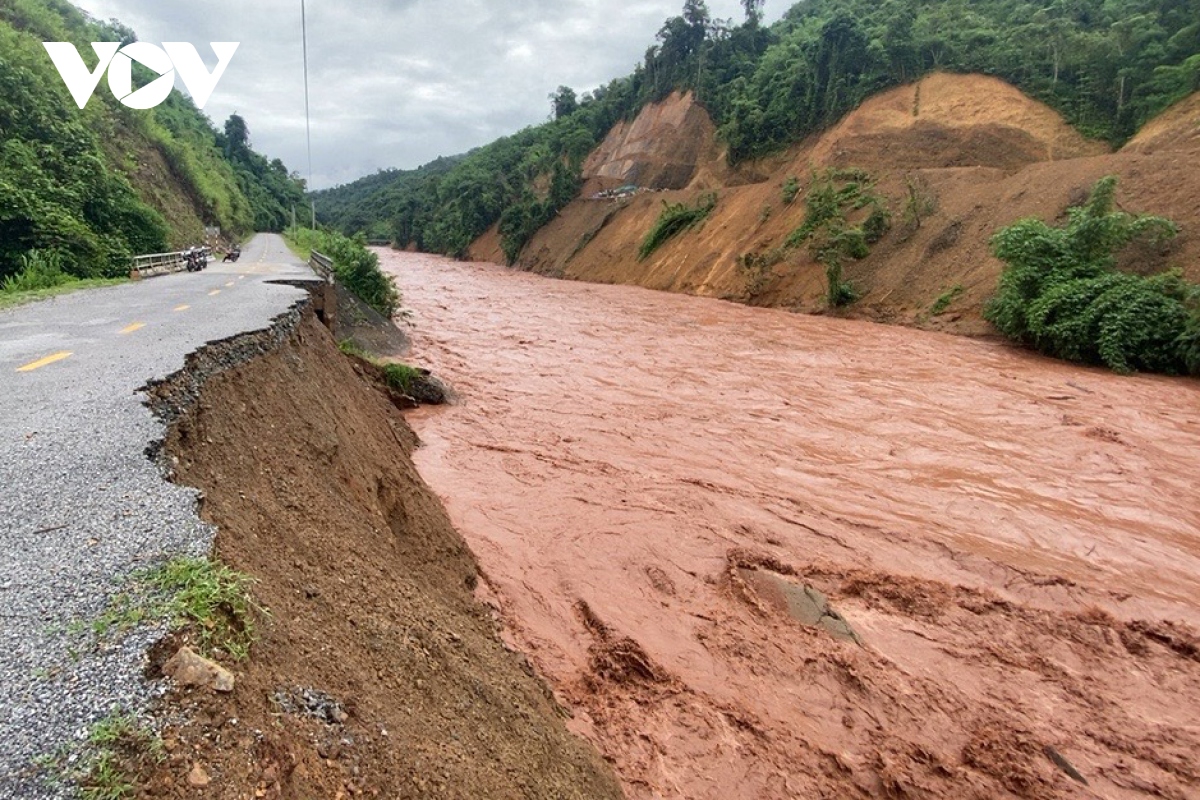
(764, 555)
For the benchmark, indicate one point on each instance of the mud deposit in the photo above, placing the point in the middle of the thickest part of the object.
(657, 489)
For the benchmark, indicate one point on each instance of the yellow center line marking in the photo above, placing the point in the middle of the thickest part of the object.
(229, 284)
(45, 361)
(241, 277)
(137, 326)
(214, 293)
(182, 308)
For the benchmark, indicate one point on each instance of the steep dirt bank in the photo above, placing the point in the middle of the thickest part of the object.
(649, 481)
(974, 150)
(306, 472)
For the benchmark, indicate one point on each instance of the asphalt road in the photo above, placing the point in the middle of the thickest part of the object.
(81, 505)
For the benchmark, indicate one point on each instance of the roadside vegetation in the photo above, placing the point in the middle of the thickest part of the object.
(41, 275)
(1062, 294)
(205, 603)
(83, 185)
(1107, 67)
(355, 267)
(207, 600)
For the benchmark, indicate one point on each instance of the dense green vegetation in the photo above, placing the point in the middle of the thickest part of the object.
(355, 267)
(1108, 66)
(79, 185)
(1062, 294)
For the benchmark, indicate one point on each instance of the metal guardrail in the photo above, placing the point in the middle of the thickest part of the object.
(322, 265)
(156, 264)
(149, 266)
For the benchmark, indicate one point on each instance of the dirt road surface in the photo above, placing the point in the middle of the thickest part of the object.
(661, 490)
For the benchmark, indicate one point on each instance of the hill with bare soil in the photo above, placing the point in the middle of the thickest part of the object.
(952, 157)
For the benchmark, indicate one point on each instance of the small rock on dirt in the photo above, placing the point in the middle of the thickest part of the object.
(198, 777)
(189, 668)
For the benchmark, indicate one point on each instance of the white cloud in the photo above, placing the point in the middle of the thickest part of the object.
(396, 83)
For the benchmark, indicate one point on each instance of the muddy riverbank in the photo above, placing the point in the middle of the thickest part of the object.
(646, 478)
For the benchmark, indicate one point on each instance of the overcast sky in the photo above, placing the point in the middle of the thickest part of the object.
(396, 83)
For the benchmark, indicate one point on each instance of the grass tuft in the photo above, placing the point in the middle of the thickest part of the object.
(196, 593)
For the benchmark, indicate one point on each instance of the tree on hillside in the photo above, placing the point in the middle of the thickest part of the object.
(754, 11)
(237, 137)
(564, 102)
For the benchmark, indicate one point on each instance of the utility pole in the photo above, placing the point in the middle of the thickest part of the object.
(307, 116)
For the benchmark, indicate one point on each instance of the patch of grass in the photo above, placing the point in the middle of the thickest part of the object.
(118, 742)
(19, 298)
(105, 765)
(106, 779)
(349, 348)
(945, 299)
(400, 377)
(197, 593)
(674, 219)
(210, 597)
(112, 729)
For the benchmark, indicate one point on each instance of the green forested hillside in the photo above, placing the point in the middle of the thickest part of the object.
(93, 187)
(1107, 66)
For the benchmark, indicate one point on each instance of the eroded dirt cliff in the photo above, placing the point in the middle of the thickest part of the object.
(377, 674)
(969, 153)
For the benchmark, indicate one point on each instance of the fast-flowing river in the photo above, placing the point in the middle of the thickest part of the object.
(648, 480)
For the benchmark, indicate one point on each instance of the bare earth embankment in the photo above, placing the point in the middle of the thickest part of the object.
(377, 673)
(970, 153)
(656, 487)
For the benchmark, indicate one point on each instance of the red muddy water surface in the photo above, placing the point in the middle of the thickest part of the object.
(765, 555)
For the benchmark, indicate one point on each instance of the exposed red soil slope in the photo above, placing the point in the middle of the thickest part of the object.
(981, 152)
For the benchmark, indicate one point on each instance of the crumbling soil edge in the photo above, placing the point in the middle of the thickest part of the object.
(296, 757)
(171, 397)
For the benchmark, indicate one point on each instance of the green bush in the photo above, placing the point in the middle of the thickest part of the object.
(675, 218)
(791, 188)
(39, 270)
(1062, 294)
(354, 266)
(839, 292)
(944, 300)
(401, 377)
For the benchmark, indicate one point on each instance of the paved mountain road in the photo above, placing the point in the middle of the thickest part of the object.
(80, 504)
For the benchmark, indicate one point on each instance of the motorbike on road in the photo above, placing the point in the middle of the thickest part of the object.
(196, 259)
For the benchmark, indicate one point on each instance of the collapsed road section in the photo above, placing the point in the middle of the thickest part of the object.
(82, 507)
(376, 672)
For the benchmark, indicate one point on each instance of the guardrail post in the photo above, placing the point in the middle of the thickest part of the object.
(326, 307)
